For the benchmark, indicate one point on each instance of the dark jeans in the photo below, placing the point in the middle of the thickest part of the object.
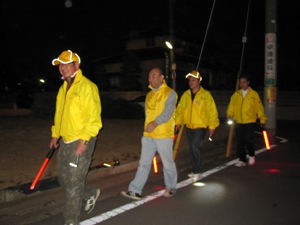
(245, 140)
(73, 179)
(195, 138)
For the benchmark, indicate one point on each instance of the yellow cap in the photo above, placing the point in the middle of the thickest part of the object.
(66, 57)
(194, 74)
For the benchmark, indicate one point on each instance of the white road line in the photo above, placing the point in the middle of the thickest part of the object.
(127, 207)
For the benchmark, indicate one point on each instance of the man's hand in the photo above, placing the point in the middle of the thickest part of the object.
(177, 127)
(211, 134)
(81, 148)
(54, 143)
(151, 126)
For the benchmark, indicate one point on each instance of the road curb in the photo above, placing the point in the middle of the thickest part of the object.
(15, 193)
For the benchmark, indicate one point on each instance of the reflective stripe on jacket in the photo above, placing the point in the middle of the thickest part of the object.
(247, 109)
(199, 113)
(78, 110)
(154, 106)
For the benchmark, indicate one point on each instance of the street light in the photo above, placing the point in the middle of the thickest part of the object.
(169, 45)
(172, 63)
(42, 82)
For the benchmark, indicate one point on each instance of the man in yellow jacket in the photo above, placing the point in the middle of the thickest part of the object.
(245, 108)
(158, 136)
(197, 110)
(77, 122)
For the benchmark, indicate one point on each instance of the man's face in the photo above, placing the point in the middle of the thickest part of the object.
(155, 78)
(193, 82)
(244, 83)
(67, 70)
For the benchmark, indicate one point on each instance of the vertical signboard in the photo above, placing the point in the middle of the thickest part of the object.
(270, 67)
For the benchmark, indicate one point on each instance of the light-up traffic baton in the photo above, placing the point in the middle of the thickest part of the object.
(42, 168)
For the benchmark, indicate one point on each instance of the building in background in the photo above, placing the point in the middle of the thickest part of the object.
(128, 71)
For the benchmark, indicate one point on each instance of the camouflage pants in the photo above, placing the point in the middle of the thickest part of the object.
(73, 179)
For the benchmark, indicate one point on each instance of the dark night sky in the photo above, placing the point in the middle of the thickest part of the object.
(34, 32)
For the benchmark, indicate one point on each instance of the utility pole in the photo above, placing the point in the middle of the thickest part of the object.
(270, 89)
(172, 58)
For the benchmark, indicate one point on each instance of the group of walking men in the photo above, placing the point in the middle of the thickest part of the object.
(77, 123)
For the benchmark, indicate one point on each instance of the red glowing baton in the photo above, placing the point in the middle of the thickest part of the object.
(154, 161)
(42, 168)
(265, 134)
(155, 168)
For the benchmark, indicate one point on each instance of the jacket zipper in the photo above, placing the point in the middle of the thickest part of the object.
(62, 112)
(241, 109)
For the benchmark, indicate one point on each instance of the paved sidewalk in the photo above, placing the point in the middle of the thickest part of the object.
(210, 152)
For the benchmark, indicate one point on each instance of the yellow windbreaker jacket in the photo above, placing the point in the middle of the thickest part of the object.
(154, 106)
(78, 110)
(247, 109)
(199, 113)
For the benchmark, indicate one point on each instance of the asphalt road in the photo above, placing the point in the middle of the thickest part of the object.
(266, 193)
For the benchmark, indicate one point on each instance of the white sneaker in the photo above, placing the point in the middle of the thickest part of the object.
(91, 202)
(132, 195)
(240, 164)
(169, 192)
(251, 160)
(195, 176)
